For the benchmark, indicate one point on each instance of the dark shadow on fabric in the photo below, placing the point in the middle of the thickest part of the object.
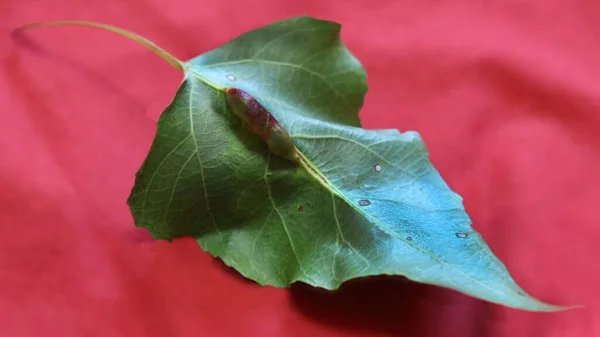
(394, 306)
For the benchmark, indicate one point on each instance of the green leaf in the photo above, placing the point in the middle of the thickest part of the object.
(358, 203)
(366, 202)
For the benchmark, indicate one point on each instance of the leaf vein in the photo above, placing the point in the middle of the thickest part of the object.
(156, 171)
(359, 144)
(339, 227)
(287, 232)
(174, 187)
(284, 64)
(197, 151)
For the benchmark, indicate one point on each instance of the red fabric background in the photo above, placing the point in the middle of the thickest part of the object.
(505, 94)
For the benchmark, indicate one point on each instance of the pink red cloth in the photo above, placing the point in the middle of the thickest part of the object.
(506, 95)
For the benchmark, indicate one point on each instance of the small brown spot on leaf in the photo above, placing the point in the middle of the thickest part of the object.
(521, 293)
(364, 202)
(409, 238)
(462, 235)
(301, 208)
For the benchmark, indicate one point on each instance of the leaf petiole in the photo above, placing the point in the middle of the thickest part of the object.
(172, 60)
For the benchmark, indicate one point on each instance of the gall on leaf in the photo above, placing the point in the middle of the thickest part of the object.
(262, 123)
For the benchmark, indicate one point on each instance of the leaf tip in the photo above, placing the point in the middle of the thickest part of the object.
(558, 308)
(540, 306)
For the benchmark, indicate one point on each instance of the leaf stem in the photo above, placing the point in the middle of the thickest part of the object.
(172, 60)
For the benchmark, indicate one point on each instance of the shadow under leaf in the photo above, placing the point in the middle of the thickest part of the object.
(394, 306)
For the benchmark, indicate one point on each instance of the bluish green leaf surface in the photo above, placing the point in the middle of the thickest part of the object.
(361, 202)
